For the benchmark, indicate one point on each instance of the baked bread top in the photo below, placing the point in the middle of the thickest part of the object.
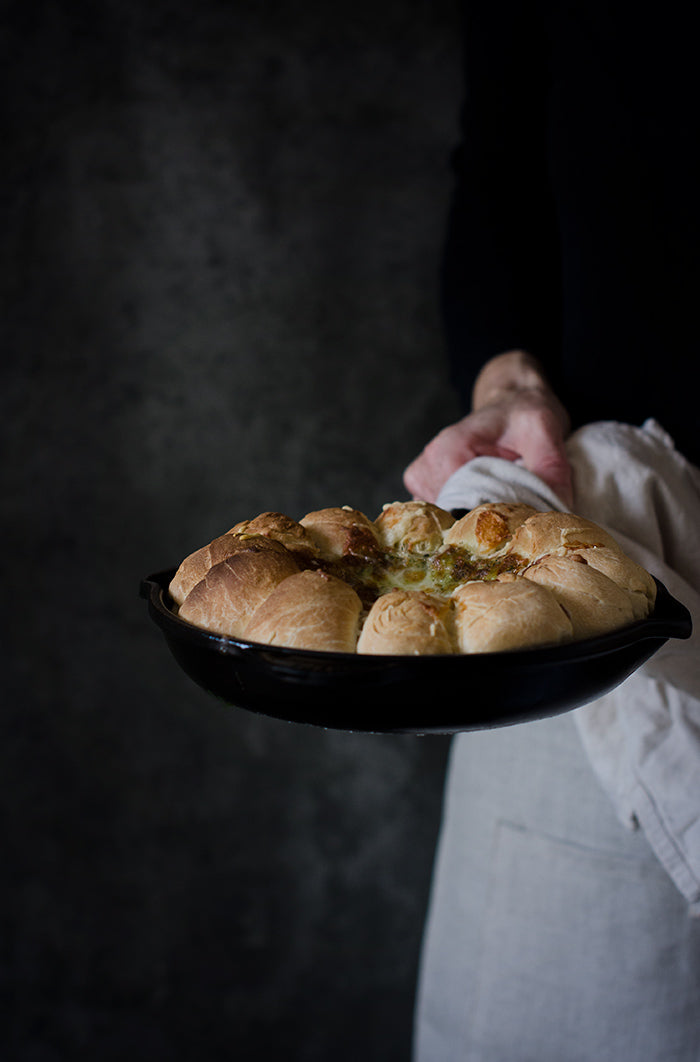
(414, 581)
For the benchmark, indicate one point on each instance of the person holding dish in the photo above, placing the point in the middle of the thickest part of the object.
(563, 916)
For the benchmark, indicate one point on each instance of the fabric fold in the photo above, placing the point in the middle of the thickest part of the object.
(643, 738)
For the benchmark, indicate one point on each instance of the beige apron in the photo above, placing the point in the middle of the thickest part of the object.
(563, 923)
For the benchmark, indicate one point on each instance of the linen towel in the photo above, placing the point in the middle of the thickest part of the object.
(643, 738)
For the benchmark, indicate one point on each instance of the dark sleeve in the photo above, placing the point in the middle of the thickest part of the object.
(500, 281)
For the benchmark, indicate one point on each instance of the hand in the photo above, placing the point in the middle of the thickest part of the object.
(516, 416)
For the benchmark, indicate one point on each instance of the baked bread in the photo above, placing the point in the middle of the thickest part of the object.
(309, 610)
(342, 533)
(488, 528)
(594, 603)
(496, 616)
(413, 527)
(548, 533)
(414, 581)
(280, 528)
(625, 573)
(226, 598)
(407, 623)
(195, 567)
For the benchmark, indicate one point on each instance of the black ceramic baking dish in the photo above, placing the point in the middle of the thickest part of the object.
(417, 694)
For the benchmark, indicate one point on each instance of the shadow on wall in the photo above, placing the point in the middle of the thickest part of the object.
(219, 272)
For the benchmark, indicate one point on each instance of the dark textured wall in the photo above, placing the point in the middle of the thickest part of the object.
(221, 234)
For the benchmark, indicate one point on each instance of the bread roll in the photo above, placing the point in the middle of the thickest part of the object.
(552, 532)
(309, 610)
(412, 527)
(196, 566)
(625, 573)
(498, 616)
(342, 533)
(594, 603)
(503, 577)
(407, 623)
(228, 595)
(282, 529)
(489, 528)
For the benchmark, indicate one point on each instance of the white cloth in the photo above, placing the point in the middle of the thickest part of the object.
(643, 738)
(557, 930)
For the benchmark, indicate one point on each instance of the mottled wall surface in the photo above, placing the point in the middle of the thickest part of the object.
(221, 236)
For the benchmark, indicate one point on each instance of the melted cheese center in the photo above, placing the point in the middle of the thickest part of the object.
(437, 573)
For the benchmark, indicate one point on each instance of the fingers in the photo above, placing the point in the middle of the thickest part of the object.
(453, 447)
(425, 477)
(541, 444)
(530, 427)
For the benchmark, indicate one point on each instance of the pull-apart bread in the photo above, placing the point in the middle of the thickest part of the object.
(415, 581)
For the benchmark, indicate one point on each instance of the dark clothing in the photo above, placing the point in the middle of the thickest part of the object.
(575, 227)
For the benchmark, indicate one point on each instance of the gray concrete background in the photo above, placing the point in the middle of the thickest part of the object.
(222, 226)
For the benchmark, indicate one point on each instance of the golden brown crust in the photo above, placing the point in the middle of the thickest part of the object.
(412, 527)
(343, 532)
(552, 532)
(488, 528)
(407, 623)
(195, 567)
(594, 603)
(281, 528)
(625, 573)
(414, 581)
(310, 610)
(508, 614)
(228, 595)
